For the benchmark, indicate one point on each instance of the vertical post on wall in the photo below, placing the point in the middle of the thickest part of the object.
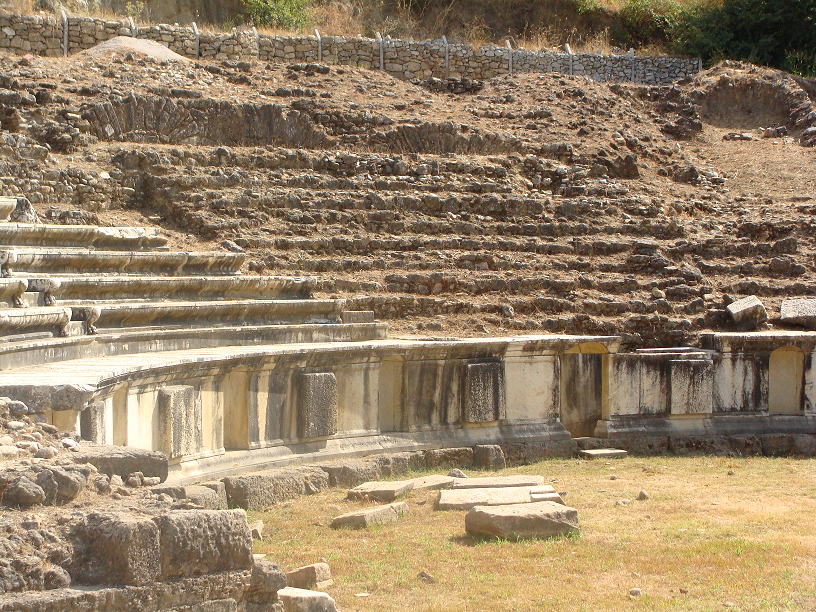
(447, 57)
(382, 51)
(198, 41)
(569, 54)
(699, 64)
(632, 53)
(319, 47)
(257, 42)
(509, 57)
(132, 25)
(64, 34)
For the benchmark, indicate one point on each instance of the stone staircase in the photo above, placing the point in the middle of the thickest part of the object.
(555, 237)
(76, 280)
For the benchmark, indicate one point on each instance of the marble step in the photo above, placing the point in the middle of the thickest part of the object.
(109, 238)
(197, 314)
(67, 288)
(54, 320)
(22, 262)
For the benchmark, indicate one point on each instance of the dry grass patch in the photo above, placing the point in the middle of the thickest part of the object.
(705, 540)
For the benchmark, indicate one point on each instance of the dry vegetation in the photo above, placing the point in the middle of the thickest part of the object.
(716, 534)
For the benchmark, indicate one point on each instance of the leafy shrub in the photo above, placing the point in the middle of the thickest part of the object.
(285, 14)
(644, 22)
(778, 33)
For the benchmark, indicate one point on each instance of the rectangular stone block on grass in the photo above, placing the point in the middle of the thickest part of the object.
(263, 490)
(318, 405)
(602, 453)
(366, 517)
(315, 577)
(522, 521)
(302, 600)
(465, 499)
(496, 482)
(382, 491)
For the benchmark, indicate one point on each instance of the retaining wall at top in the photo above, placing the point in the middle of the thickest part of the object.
(46, 35)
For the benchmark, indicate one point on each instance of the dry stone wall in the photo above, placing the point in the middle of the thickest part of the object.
(46, 35)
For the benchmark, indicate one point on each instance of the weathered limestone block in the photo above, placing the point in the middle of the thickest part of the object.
(484, 393)
(262, 490)
(366, 517)
(318, 405)
(315, 577)
(180, 419)
(116, 548)
(196, 542)
(492, 482)
(465, 499)
(301, 600)
(267, 579)
(692, 386)
(449, 457)
(522, 521)
(205, 497)
(801, 311)
(124, 460)
(382, 491)
(351, 473)
(748, 313)
(490, 456)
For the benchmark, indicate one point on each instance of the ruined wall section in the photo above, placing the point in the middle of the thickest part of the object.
(45, 35)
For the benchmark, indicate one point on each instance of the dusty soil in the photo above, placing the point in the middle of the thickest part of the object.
(538, 202)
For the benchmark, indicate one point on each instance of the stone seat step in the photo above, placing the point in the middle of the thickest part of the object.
(110, 238)
(21, 262)
(12, 291)
(50, 319)
(7, 206)
(192, 314)
(110, 342)
(66, 288)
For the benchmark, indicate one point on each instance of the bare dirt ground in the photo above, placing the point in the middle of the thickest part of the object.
(715, 534)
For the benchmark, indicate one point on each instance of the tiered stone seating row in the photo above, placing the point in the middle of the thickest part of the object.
(79, 280)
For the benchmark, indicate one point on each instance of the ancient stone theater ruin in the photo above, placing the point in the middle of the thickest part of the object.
(260, 266)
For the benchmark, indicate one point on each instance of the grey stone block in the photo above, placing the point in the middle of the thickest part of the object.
(262, 490)
(197, 542)
(316, 577)
(180, 420)
(801, 311)
(124, 460)
(777, 445)
(301, 600)
(267, 579)
(490, 456)
(318, 405)
(205, 497)
(748, 313)
(375, 515)
(484, 393)
(116, 548)
(449, 457)
(351, 473)
(544, 519)
(92, 423)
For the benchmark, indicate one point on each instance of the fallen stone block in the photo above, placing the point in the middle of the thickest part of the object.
(366, 517)
(777, 445)
(262, 490)
(351, 473)
(449, 457)
(489, 456)
(205, 497)
(266, 581)
(804, 444)
(315, 577)
(602, 453)
(800, 311)
(495, 482)
(196, 542)
(116, 548)
(748, 313)
(465, 499)
(301, 600)
(381, 491)
(522, 521)
(434, 481)
(124, 460)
